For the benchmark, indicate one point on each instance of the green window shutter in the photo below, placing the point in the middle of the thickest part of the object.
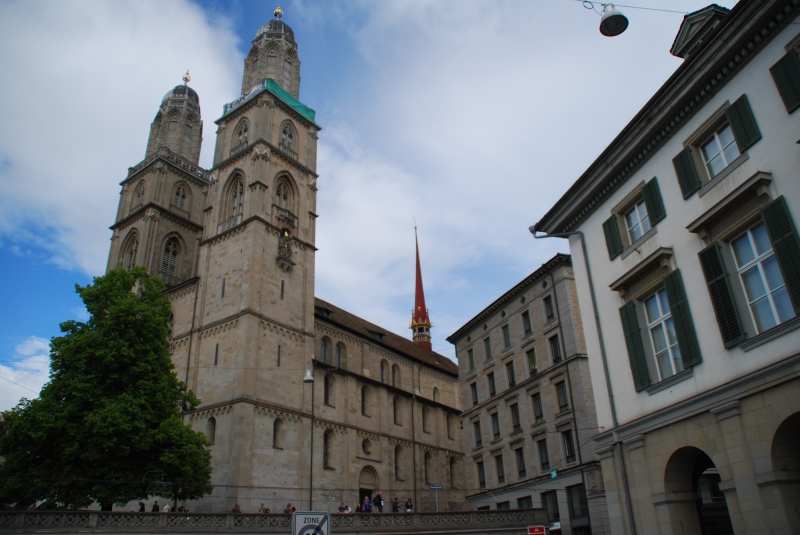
(687, 173)
(786, 244)
(682, 319)
(786, 74)
(743, 123)
(613, 239)
(719, 288)
(633, 339)
(654, 202)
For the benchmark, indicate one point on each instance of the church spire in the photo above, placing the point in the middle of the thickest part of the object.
(420, 322)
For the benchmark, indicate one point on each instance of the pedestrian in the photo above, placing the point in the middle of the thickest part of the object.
(366, 507)
(395, 505)
(347, 510)
(294, 509)
(378, 502)
(261, 509)
(236, 509)
(358, 507)
(166, 508)
(141, 507)
(288, 509)
(155, 508)
(341, 507)
(409, 506)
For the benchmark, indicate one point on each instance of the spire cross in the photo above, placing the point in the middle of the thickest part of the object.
(278, 12)
(186, 77)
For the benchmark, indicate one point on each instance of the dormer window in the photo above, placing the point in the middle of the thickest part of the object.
(376, 335)
(324, 312)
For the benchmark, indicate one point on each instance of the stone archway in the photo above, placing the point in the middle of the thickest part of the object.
(367, 483)
(786, 470)
(696, 505)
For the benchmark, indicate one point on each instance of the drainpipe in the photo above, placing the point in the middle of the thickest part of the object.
(414, 446)
(617, 444)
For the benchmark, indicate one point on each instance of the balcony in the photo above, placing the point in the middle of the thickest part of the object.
(229, 223)
(284, 217)
(238, 147)
(287, 151)
(171, 280)
(180, 211)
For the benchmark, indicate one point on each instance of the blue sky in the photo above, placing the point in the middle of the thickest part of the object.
(474, 116)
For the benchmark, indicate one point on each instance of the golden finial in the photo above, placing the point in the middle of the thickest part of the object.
(415, 223)
(186, 78)
(278, 12)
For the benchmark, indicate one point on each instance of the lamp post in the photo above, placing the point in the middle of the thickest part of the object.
(309, 379)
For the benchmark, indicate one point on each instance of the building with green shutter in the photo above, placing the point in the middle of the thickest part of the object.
(686, 225)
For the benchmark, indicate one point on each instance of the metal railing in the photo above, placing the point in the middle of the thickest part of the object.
(69, 521)
(238, 147)
(287, 150)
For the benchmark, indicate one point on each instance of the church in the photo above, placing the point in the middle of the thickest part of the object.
(302, 401)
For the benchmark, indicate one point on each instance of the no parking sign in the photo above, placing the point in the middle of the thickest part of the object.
(311, 523)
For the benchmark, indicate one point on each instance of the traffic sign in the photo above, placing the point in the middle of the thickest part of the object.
(553, 473)
(436, 487)
(536, 530)
(311, 523)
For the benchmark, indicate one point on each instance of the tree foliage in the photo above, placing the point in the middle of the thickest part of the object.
(107, 427)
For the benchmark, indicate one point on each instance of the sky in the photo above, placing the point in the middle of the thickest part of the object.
(473, 116)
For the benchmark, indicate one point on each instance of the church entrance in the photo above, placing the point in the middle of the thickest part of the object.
(367, 483)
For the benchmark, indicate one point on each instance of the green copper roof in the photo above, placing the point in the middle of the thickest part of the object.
(301, 108)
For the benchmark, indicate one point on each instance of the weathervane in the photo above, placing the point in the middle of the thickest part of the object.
(278, 12)
(186, 78)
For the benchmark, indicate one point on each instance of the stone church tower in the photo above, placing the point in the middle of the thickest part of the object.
(304, 402)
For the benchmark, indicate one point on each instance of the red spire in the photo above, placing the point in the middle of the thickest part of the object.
(420, 322)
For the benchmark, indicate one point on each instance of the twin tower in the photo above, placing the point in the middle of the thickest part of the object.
(236, 248)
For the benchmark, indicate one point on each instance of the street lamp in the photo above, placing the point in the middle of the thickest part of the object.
(612, 22)
(309, 379)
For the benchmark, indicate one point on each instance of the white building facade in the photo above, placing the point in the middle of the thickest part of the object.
(686, 224)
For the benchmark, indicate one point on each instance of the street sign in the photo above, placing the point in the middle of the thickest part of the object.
(536, 530)
(553, 473)
(311, 523)
(436, 487)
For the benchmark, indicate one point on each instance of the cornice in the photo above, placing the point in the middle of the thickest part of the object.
(275, 152)
(256, 100)
(191, 225)
(269, 225)
(737, 39)
(192, 172)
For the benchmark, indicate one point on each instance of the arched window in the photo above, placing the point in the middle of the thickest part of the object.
(426, 419)
(365, 400)
(276, 434)
(451, 426)
(180, 197)
(383, 371)
(398, 463)
(138, 196)
(236, 197)
(254, 63)
(170, 257)
(327, 439)
(131, 253)
(453, 473)
(327, 390)
(242, 134)
(428, 468)
(211, 429)
(283, 195)
(338, 356)
(323, 350)
(396, 376)
(287, 137)
(435, 394)
(170, 323)
(396, 410)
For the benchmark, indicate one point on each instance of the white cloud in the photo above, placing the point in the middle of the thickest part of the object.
(28, 366)
(81, 82)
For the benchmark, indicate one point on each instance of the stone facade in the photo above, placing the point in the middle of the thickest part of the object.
(699, 435)
(528, 400)
(235, 245)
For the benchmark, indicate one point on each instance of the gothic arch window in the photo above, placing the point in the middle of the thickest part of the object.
(188, 130)
(235, 197)
(337, 361)
(131, 252)
(211, 429)
(383, 371)
(324, 347)
(288, 136)
(396, 376)
(138, 196)
(284, 194)
(179, 199)
(170, 324)
(277, 427)
(272, 57)
(327, 390)
(365, 400)
(426, 419)
(435, 394)
(254, 62)
(169, 260)
(451, 426)
(241, 134)
(287, 69)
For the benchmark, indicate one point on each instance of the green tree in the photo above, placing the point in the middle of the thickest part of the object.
(107, 426)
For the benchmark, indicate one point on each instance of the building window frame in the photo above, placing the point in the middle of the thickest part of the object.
(487, 348)
(538, 411)
(522, 471)
(527, 327)
(501, 469)
(511, 374)
(516, 424)
(506, 336)
(473, 390)
(544, 454)
(495, 419)
(491, 384)
(561, 396)
(567, 438)
(481, 474)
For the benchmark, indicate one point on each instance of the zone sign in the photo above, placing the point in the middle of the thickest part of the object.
(311, 523)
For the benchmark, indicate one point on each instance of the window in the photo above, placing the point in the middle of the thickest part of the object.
(481, 475)
(550, 503)
(501, 470)
(538, 413)
(427, 466)
(211, 430)
(495, 426)
(279, 356)
(364, 400)
(327, 438)
(435, 394)
(569, 445)
(396, 376)
(561, 393)
(730, 132)
(525, 503)
(277, 426)
(398, 468)
(515, 418)
(187, 130)
(216, 354)
(242, 134)
(130, 255)
(512, 378)
(662, 335)
(531, 354)
(180, 197)
(222, 289)
(236, 197)
(383, 371)
(636, 221)
(452, 422)
(323, 350)
(520, 455)
(555, 349)
(526, 323)
(471, 359)
(761, 279)
(453, 473)
(170, 258)
(327, 396)
(426, 419)
(578, 506)
(254, 64)
(338, 356)
(490, 380)
(544, 458)
(634, 217)
(476, 428)
(506, 336)
(366, 446)
(719, 150)
(487, 349)
(548, 308)
(283, 284)
(284, 195)
(473, 390)
(396, 410)
(287, 137)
